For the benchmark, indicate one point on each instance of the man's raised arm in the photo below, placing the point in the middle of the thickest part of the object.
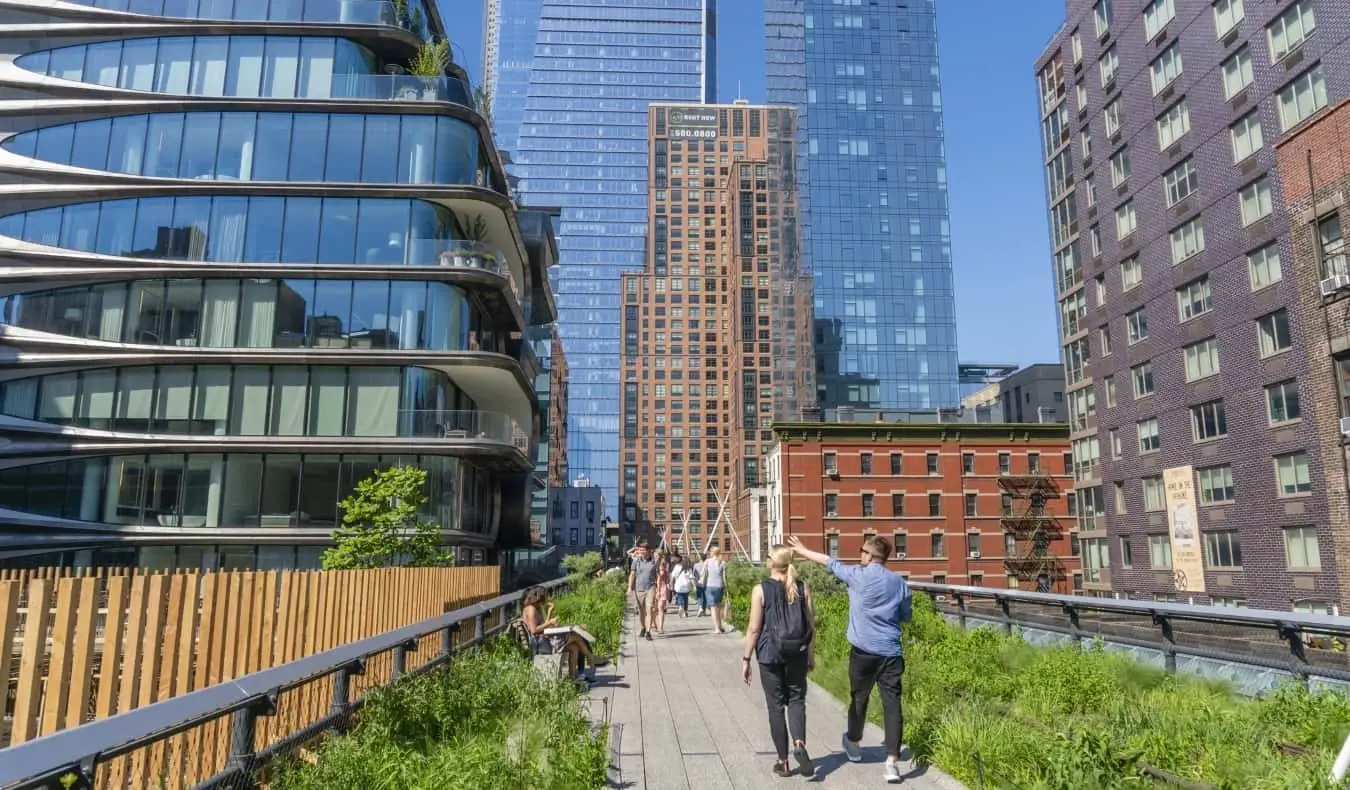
(845, 573)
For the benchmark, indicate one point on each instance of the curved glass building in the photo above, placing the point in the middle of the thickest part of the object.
(246, 259)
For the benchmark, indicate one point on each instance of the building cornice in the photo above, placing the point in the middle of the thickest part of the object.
(900, 431)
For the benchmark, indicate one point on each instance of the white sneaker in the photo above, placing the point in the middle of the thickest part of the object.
(892, 772)
(851, 750)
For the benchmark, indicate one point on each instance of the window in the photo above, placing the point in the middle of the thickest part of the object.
(1149, 441)
(1180, 183)
(832, 545)
(1216, 484)
(1301, 549)
(1263, 266)
(897, 504)
(971, 504)
(1246, 136)
(1111, 118)
(1121, 504)
(1109, 384)
(900, 542)
(1223, 550)
(1126, 552)
(1160, 551)
(968, 463)
(1113, 436)
(1131, 273)
(831, 505)
(1194, 299)
(1107, 65)
(1154, 497)
(1034, 462)
(1237, 73)
(1142, 376)
(935, 504)
(1254, 200)
(1282, 402)
(1104, 339)
(1227, 15)
(1304, 96)
(1173, 125)
(1208, 421)
(1187, 240)
(1101, 16)
(1120, 167)
(932, 463)
(1005, 463)
(1273, 333)
(1291, 473)
(1136, 325)
(831, 464)
(897, 463)
(1125, 220)
(937, 545)
(1156, 16)
(868, 501)
(865, 462)
(1290, 29)
(1166, 68)
(1201, 359)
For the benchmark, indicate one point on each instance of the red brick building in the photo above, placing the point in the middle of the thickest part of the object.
(964, 503)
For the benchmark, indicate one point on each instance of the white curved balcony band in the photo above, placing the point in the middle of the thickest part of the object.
(464, 426)
(342, 12)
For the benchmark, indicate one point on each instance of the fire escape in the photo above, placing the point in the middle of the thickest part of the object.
(1032, 529)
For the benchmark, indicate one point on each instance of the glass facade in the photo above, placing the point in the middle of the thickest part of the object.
(876, 233)
(573, 89)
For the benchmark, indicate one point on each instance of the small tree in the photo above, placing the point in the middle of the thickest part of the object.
(381, 526)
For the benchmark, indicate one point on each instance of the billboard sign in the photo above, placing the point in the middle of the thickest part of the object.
(1188, 559)
(691, 123)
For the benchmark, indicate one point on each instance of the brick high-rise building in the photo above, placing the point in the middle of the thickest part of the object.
(1181, 331)
(717, 328)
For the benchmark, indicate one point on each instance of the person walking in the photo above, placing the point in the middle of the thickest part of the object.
(682, 582)
(661, 596)
(781, 634)
(714, 584)
(642, 584)
(879, 602)
(700, 592)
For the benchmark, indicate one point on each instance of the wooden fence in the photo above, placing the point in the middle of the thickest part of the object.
(77, 646)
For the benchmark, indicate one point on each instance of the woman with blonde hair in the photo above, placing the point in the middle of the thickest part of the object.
(781, 636)
(714, 585)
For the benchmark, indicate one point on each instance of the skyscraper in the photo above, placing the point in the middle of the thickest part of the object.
(579, 83)
(245, 261)
(873, 177)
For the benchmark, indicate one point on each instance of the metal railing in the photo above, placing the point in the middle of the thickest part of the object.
(488, 426)
(344, 12)
(1257, 649)
(77, 756)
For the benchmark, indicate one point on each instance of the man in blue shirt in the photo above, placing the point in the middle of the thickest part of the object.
(878, 602)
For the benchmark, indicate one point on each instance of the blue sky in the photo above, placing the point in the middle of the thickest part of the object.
(1000, 244)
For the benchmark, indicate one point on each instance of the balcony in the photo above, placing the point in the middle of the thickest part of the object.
(335, 12)
(401, 87)
(459, 425)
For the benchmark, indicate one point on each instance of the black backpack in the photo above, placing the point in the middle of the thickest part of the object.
(789, 630)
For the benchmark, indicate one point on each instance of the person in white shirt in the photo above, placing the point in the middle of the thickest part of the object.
(683, 578)
(699, 592)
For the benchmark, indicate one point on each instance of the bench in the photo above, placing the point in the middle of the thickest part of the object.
(549, 664)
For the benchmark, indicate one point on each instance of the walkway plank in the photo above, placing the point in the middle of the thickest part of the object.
(684, 719)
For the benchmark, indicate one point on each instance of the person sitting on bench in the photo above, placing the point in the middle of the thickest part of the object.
(538, 618)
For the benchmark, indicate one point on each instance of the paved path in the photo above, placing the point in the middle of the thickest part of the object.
(683, 720)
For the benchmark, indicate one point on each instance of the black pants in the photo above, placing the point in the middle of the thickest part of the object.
(785, 687)
(864, 671)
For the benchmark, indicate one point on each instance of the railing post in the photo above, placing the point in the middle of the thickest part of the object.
(401, 657)
(342, 683)
(478, 628)
(1294, 636)
(960, 609)
(448, 640)
(245, 729)
(1075, 626)
(1005, 613)
(1169, 643)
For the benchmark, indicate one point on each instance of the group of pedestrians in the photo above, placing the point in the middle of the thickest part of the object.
(661, 579)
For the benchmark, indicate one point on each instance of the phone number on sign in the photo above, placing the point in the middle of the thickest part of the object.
(701, 134)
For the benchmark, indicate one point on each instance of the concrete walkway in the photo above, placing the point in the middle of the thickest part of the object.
(682, 719)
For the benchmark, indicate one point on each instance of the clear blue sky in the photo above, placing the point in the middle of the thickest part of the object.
(1000, 244)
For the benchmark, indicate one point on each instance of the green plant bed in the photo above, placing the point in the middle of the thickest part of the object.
(489, 721)
(996, 712)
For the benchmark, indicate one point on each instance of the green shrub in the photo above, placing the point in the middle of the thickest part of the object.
(598, 606)
(582, 565)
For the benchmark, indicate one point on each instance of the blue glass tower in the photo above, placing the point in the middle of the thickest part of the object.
(569, 101)
(873, 195)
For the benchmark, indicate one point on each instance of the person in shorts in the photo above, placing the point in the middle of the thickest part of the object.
(642, 583)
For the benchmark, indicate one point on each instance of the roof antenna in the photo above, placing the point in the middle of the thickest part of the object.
(738, 90)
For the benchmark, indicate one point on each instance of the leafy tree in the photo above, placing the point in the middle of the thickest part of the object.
(381, 526)
(583, 565)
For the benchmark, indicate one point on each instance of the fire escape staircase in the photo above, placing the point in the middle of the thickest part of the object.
(1032, 529)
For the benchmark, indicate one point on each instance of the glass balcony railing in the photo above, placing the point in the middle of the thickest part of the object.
(485, 426)
(467, 255)
(343, 12)
(401, 87)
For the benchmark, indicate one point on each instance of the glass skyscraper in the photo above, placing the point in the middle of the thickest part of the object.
(873, 196)
(570, 84)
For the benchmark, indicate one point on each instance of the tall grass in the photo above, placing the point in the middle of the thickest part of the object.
(990, 708)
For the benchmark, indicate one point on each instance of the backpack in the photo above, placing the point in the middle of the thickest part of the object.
(789, 630)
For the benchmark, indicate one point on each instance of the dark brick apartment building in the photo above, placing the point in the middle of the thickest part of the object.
(1182, 324)
(965, 503)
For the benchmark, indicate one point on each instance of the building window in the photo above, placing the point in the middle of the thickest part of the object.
(1180, 183)
(832, 545)
(1142, 376)
(1254, 201)
(971, 504)
(590, 536)
(831, 505)
(867, 504)
(1033, 463)
(1005, 502)
(1237, 73)
(590, 512)
(897, 504)
(831, 464)
(1291, 474)
(1104, 339)
(937, 545)
(1227, 15)
(574, 510)
(1202, 359)
(900, 541)
(1333, 246)
(1301, 549)
(1120, 167)
(1301, 98)
(1246, 136)
(968, 463)
(1149, 441)
(1165, 70)
(1193, 299)
(1126, 552)
(934, 504)
(1101, 16)
(1173, 125)
(866, 463)
(1122, 505)
(897, 464)
(572, 536)
(1187, 240)
(1154, 498)
(1109, 384)
(1263, 266)
(1131, 273)
(1005, 463)
(1208, 421)
(1290, 29)
(1219, 600)
(1273, 333)
(1113, 437)
(1096, 558)
(1125, 220)
(1136, 326)
(1223, 550)
(932, 463)
(1216, 484)
(1111, 118)
(1160, 551)
(1156, 16)
(1107, 65)
(1282, 404)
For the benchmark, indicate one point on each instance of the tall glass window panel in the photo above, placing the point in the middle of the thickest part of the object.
(138, 64)
(320, 475)
(57, 404)
(308, 129)
(202, 483)
(337, 231)
(258, 313)
(327, 401)
(295, 300)
(382, 232)
(290, 395)
(380, 162)
(249, 401)
(191, 228)
(417, 151)
(345, 147)
(173, 400)
(242, 491)
(281, 492)
(406, 307)
(372, 402)
(91, 144)
(98, 390)
(299, 241)
(330, 316)
(235, 150)
(281, 67)
(270, 161)
(370, 315)
(244, 72)
(211, 401)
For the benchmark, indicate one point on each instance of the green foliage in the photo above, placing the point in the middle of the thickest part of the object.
(381, 526)
(432, 59)
(990, 707)
(598, 606)
(582, 565)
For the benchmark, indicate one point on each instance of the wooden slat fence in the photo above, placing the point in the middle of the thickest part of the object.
(78, 645)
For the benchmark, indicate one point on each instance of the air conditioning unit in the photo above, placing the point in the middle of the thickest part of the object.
(1334, 283)
(1345, 426)
(974, 555)
(900, 555)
